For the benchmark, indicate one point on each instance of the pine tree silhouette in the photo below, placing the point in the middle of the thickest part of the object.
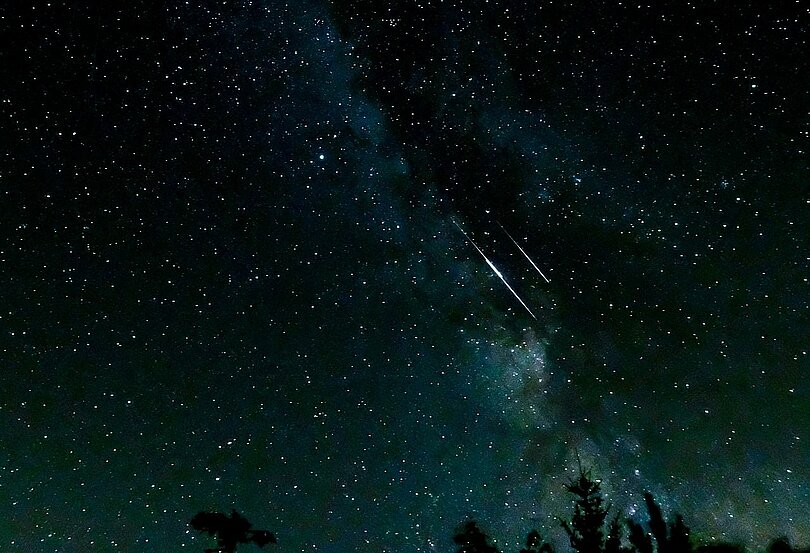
(585, 528)
(613, 542)
(658, 526)
(671, 539)
(679, 536)
(639, 538)
(587, 533)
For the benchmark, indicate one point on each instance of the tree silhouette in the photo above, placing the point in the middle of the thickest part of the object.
(668, 539)
(782, 545)
(230, 531)
(587, 532)
(471, 539)
(585, 528)
(535, 544)
(679, 536)
(613, 542)
(658, 526)
(640, 540)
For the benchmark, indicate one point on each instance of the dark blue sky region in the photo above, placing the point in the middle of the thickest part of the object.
(235, 272)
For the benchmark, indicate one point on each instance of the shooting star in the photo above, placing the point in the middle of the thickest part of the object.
(525, 254)
(495, 270)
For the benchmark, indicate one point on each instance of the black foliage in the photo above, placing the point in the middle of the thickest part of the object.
(639, 538)
(587, 533)
(658, 526)
(471, 539)
(586, 530)
(679, 536)
(669, 539)
(613, 542)
(230, 531)
(535, 544)
(782, 545)
(585, 527)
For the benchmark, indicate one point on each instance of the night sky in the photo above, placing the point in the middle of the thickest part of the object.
(250, 256)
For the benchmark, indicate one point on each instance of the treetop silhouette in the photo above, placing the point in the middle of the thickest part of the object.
(535, 544)
(588, 530)
(230, 531)
(471, 539)
(585, 528)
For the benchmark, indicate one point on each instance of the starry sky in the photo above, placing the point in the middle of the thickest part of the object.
(255, 254)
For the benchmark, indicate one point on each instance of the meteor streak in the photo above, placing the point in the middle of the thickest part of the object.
(495, 270)
(524, 254)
